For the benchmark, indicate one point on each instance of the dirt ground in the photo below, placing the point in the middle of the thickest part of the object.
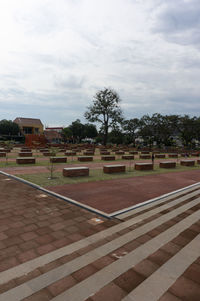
(112, 195)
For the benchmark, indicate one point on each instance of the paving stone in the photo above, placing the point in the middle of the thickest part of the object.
(44, 239)
(8, 263)
(193, 273)
(191, 291)
(29, 236)
(3, 236)
(84, 272)
(45, 249)
(110, 292)
(73, 225)
(159, 257)
(129, 280)
(28, 255)
(7, 286)
(60, 286)
(43, 295)
(169, 297)
(146, 267)
(103, 262)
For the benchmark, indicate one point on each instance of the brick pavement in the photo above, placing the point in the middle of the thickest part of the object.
(56, 252)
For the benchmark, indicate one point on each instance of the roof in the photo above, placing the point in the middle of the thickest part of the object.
(54, 128)
(27, 121)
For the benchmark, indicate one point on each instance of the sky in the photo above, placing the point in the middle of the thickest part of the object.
(55, 55)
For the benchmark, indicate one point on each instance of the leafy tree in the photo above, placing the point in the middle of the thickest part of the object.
(187, 129)
(105, 110)
(131, 128)
(146, 129)
(116, 136)
(90, 130)
(8, 127)
(197, 128)
(159, 128)
(77, 129)
(67, 134)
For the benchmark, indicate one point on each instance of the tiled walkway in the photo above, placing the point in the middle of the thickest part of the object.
(147, 254)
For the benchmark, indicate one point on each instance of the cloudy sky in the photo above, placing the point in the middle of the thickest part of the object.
(55, 55)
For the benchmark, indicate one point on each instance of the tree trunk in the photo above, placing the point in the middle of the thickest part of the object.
(105, 138)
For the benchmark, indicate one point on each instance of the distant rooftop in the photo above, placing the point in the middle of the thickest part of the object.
(27, 121)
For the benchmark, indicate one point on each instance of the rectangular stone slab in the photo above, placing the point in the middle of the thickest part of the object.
(173, 155)
(2, 154)
(145, 156)
(167, 164)
(58, 159)
(114, 168)
(25, 154)
(187, 162)
(160, 156)
(143, 166)
(108, 158)
(128, 157)
(85, 158)
(76, 172)
(29, 160)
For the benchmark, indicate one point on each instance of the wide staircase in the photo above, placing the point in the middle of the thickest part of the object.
(153, 253)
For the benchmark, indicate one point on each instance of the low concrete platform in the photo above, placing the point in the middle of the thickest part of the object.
(76, 172)
(2, 154)
(119, 153)
(114, 168)
(46, 154)
(173, 155)
(187, 162)
(108, 158)
(143, 166)
(144, 156)
(85, 158)
(72, 153)
(88, 153)
(58, 159)
(167, 164)
(133, 152)
(25, 154)
(104, 153)
(128, 157)
(159, 156)
(26, 160)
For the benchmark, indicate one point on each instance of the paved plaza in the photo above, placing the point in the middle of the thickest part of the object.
(53, 250)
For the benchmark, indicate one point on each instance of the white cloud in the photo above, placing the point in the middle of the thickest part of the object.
(55, 55)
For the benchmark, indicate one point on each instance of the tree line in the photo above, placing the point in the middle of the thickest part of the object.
(162, 130)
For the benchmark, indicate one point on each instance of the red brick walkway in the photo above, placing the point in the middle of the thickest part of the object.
(33, 223)
(51, 250)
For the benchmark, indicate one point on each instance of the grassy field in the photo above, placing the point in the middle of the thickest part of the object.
(74, 160)
(97, 175)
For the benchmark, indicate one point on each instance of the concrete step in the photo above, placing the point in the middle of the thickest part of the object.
(159, 282)
(150, 204)
(94, 283)
(45, 259)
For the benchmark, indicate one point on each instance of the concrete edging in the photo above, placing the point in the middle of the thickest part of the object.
(114, 214)
(76, 203)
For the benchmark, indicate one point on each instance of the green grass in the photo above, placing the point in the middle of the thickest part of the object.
(75, 161)
(97, 175)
